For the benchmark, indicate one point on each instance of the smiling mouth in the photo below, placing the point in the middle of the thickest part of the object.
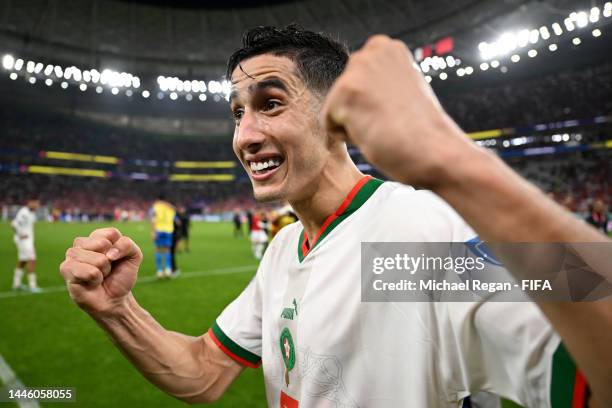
(263, 167)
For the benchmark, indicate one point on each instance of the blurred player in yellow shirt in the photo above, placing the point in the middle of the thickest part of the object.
(162, 224)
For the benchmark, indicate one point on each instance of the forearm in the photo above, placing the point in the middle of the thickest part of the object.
(503, 207)
(188, 368)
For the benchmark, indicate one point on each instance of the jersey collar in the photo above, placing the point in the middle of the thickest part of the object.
(358, 195)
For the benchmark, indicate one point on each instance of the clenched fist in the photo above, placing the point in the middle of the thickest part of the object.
(100, 270)
(383, 105)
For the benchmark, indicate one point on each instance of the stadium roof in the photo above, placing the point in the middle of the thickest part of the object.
(195, 38)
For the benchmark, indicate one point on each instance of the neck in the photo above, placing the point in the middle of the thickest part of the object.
(333, 185)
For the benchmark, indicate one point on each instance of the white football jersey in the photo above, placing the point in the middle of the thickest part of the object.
(321, 346)
(24, 222)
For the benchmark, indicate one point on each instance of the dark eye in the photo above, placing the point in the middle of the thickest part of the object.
(237, 114)
(271, 104)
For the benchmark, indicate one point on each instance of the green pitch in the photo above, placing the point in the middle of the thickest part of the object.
(49, 342)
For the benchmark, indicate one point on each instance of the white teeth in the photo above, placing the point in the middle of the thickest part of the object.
(258, 166)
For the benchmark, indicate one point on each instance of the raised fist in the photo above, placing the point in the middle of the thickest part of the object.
(101, 269)
(383, 105)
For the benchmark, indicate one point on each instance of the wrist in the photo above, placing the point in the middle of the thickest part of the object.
(117, 310)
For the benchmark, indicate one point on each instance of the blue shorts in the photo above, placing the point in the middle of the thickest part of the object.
(163, 239)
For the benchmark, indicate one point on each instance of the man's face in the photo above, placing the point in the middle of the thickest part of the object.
(277, 137)
(33, 205)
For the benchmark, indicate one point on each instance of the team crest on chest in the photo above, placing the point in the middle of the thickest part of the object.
(288, 352)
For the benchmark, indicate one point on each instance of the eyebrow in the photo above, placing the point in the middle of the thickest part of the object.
(272, 82)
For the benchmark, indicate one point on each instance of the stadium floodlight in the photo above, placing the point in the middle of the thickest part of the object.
(484, 66)
(214, 87)
(443, 76)
(99, 89)
(544, 33)
(460, 72)
(30, 67)
(32, 80)
(515, 58)
(171, 84)
(594, 15)
(95, 76)
(77, 74)
(576, 41)
(83, 87)
(187, 86)
(160, 95)
(596, 32)
(441, 63)
(48, 82)
(48, 70)
(532, 53)
(163, 83)
(146, 94)
(195, 86)
(8, 62)
(64, 84)
(503, 69)
(469, 70)
(582, 19)
(607, 9)
(129, 93)
(18, 64)
(189, 97)
(450, 61)
(523, 38)
(13, 76)
(557, 29)
(552, 47)
(226, 87)
(86, 76)
(424, 67)
(173, 96)
(569, 25)
(202, 97)
(58, 71)
(38, 68)
(494, 64)
(534, 36)
(507, 42)
(115, 90)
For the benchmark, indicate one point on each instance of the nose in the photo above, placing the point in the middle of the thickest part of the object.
(249, 136)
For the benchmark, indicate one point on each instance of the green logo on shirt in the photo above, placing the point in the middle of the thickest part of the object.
(289, 312)
(288, 351)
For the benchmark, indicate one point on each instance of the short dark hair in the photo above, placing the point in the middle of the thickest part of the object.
(319, 59)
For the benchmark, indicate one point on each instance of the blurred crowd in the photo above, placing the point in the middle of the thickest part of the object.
(28, 131)
(574, 179)
(579, 94)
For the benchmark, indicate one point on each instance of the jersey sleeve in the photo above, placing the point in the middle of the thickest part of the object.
(237, 330)
(510, 350)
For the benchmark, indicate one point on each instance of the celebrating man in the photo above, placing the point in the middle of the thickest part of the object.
(296, 99)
